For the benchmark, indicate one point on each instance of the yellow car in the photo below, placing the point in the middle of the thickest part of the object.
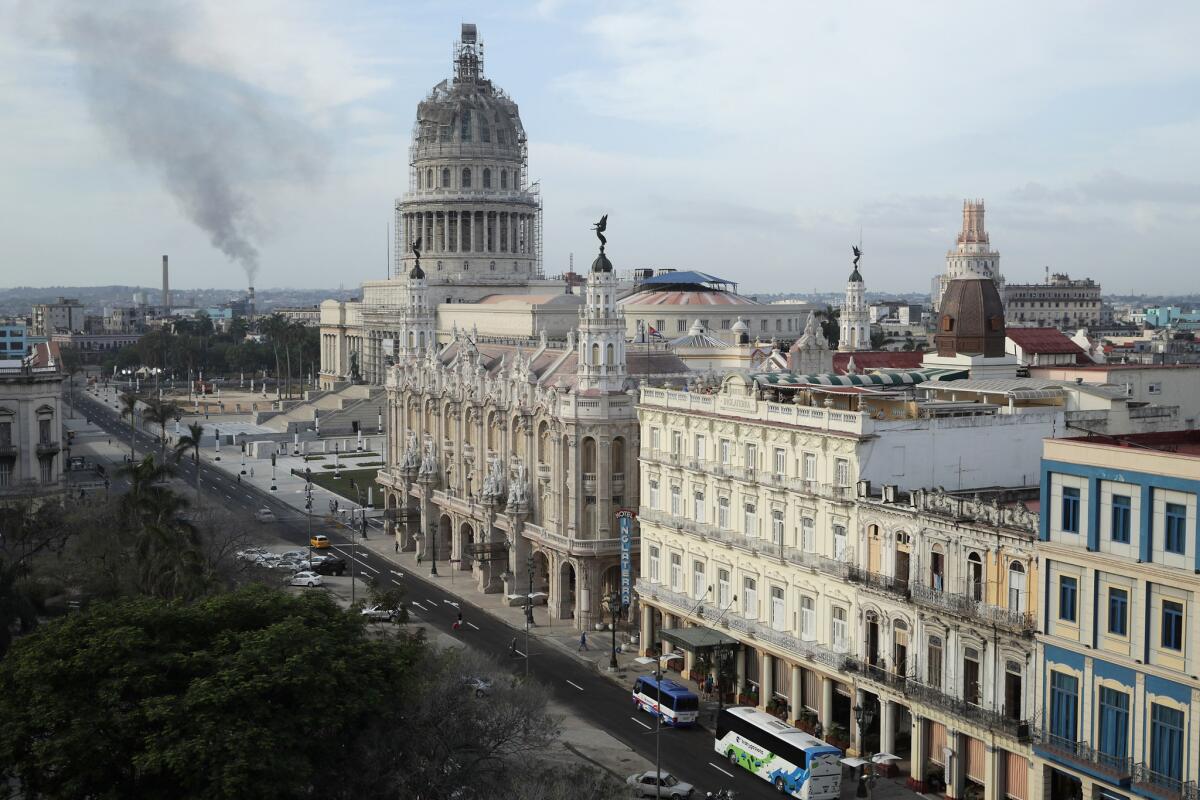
(319, 541)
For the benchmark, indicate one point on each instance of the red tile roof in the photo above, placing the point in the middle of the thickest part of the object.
(1045, 341)
(865, 360)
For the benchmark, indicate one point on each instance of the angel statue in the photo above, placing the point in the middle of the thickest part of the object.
(599, 228)
(857, 254)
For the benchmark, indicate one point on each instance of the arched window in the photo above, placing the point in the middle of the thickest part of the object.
(466, 178)
(466, 126)
(588, 455)
(487, 177)
(429, 178)
(445, 177)
(516, 177)
(975, 576)
(608, 355)
(595, 355)
(485, 132)
(503, 179)
(1016, 587)
(618, 454)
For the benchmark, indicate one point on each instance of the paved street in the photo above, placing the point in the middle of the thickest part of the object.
(577, 680)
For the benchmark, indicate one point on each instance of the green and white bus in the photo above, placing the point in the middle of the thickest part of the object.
(797, 763)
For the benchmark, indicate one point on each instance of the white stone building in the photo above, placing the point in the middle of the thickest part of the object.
(972, 256)
(31, 439)
(855, 322)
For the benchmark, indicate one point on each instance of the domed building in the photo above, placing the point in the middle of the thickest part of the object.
(970, 331)
(468, 200)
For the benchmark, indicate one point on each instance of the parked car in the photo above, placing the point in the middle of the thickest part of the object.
(482, 687)
(250, 553)
(319, 541)
(329, 566)
(305, 578)
(264, 515)
(291, 565)
(380, 614)
(664, 784)
(296, 555)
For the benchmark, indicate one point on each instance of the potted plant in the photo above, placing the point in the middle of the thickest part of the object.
(807, 721)
(838, 736)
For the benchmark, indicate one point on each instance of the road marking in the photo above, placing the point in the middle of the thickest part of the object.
(249, 497)
(476, 627)
(418, 605)
(397, 574)
(228, 497)
(433, 603)
(718, 769)
(644, 725)
(518, 652)
(576, 685)
(450, 603)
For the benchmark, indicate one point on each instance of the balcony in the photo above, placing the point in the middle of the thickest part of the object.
(618, 483)
(8, 450)
(1159, 785)
(966, 606)
(47, 448)
(1082, 754)
(589, 483)
(886, 584)
(931, 695)
(543, 471)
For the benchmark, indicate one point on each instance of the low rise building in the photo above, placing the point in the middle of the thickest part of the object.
(14, 341)
(31, 437)
(1118, 640)
(1035, 347)
(1060, 302)
(64, 314)
(93, 347)
(1158, 384)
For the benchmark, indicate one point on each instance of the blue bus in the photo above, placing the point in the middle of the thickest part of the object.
(678, 706)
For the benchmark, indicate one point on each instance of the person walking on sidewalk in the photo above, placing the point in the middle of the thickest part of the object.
(583, 641)
(457, 626)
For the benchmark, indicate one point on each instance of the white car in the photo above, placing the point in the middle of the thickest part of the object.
(309, 579)
(290, 565)
(250, 554)
(646, 784)
(295, 555)
(378, 614)
(264, 515)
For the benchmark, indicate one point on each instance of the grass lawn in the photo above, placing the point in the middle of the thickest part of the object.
(362, 477)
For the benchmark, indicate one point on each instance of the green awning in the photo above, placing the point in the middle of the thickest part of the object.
(693, 639)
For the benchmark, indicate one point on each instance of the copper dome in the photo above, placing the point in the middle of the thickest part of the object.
(972, 320)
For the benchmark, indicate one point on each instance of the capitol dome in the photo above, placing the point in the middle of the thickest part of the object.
(972, 319)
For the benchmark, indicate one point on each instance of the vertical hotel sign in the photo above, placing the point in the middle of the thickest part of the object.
(625, 518)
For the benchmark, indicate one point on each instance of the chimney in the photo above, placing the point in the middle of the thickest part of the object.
(250, 305)
(166, 298)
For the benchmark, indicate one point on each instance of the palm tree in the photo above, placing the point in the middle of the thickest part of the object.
(129, 402)
(160, 412)
(191, 441)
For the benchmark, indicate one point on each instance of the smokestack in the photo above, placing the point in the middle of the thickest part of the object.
(166, 298)
(250, 305)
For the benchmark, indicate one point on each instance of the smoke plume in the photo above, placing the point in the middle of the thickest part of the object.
(213, 138)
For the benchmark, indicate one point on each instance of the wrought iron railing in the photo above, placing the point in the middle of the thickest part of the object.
(1083, 754)
(878, 581)
(966, 606)
(1163, 786)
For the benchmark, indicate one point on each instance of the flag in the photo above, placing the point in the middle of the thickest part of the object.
(654, 334)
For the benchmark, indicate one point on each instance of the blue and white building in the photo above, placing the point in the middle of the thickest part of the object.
(13, 338)
(1119, 640)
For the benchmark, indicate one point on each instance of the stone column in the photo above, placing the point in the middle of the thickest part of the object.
(918, 754)
(993, 774)
(887, 726)
(954, 766)
(766, 679)
(458, 222)
(825, 713)
(516, 581)
(512, 233)
(739, 664)
(856, 734)
(570, 525)
(794, 696)
(604, 510)
(645, 632)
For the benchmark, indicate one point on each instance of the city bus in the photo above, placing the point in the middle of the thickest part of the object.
(797, 763)
(679, 705)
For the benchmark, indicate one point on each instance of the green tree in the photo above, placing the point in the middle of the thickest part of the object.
(160, 412)
(129, 402)
(831, 326)
(191, 442)
(229, 697)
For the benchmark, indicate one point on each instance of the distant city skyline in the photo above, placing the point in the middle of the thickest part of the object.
(752, 142)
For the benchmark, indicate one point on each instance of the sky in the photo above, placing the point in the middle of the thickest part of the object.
(754, 140)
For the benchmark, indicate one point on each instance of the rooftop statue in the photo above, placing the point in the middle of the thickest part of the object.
(599, 228)
(857, 254)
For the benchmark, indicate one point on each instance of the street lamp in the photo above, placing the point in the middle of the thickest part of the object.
(864, 714)
(614, 605)
(217, 432)
(433, 548)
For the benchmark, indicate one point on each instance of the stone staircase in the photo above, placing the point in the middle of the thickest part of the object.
(339, 411)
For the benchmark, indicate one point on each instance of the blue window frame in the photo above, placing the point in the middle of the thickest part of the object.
(1175, 538)
(1064, 706)
(1172, 625)
(1122, 516)
(1067, 589)
(1070, 509)
(1118, 611)
(1166, 741)
(1114, 723)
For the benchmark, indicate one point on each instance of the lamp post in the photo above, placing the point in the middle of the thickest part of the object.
(337, 464)
(273, 487)
(217, 431)
(243, 456)
(433, 548)
(614, 605)
(864, 714)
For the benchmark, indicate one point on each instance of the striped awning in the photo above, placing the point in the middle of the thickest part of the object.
(889, 377)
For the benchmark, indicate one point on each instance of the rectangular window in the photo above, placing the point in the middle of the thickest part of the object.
(726, 452)
(808, 534)
(653, 496)
(47, 469)
(810, 466)
(971, 692)
(1118, 611)
(1172, 625)
(749, 598)
(1175, 539)
(841, 472)
(676, 502)
(933, 667)
(838, 628)
(839, 542)
(653, 576)
(726, 324)
(700, 452)
(808, 618)
(778, 609)
(723, 588)
(780, 461)
(751, 456)
(676, 442)
(44, 431)
(1070, 509)
(698, 506)
(681, 326)
(1064, 706)
(5, 434)
(1122, 516)
(750, 520)
(1166, 741)
(777, 527)
(6, 469)
(676, 571)
(655, 440)
(1114, 723)
(1067, 588)
(699, 584)
(723, 513)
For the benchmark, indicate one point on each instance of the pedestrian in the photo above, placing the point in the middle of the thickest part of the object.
(457, 623)
(239, 477)
(252, 472)
(708, 686)
(397, 545)
(583, 641)
(418, 558)
(818, 730)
